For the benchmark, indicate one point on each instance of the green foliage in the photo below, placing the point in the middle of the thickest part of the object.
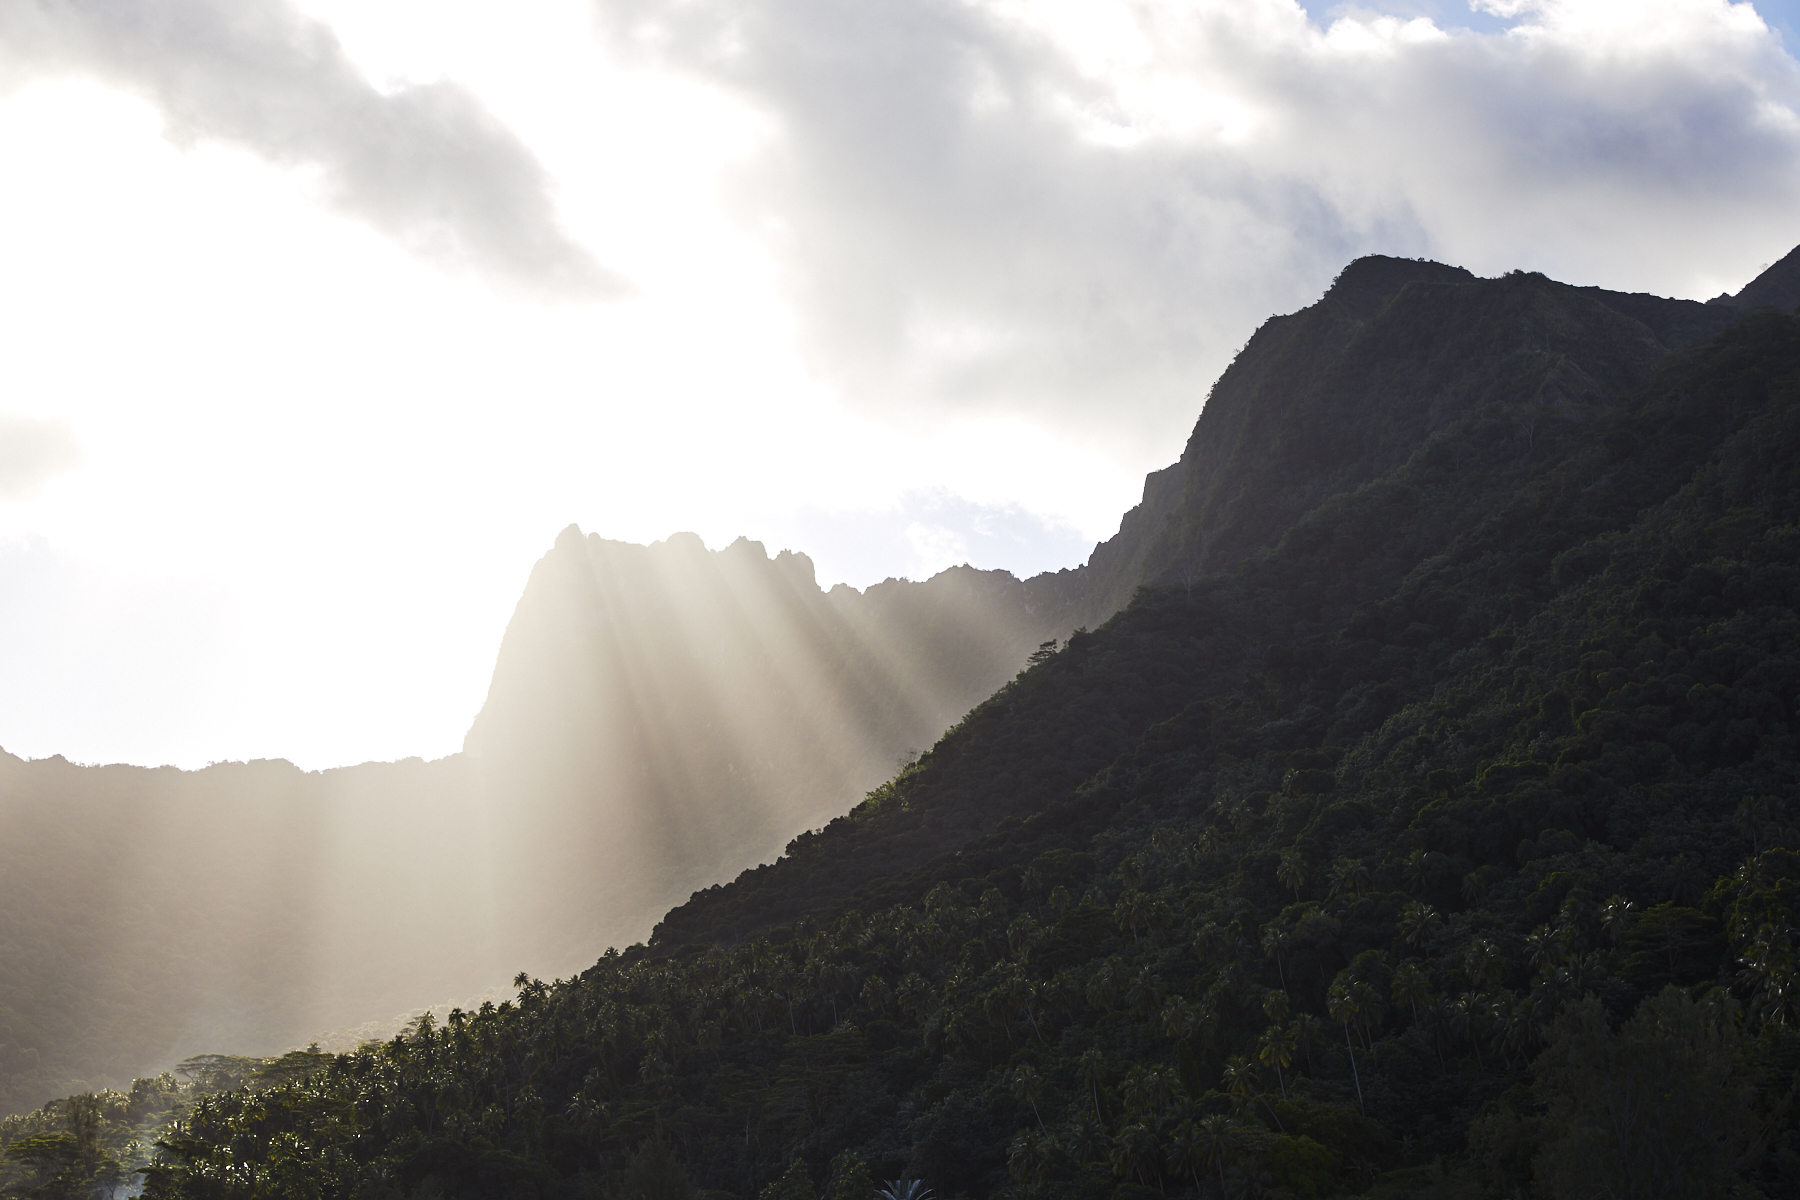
(795, 1184)
(654, 1173)
(72, 1163)
(1381, 861)
(849, 1178)
(1663, 1107)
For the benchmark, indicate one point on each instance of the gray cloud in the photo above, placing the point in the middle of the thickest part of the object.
(972, 216)
(426, 165)
(33, 451)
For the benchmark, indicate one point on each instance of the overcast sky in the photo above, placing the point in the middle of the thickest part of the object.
(319, 319)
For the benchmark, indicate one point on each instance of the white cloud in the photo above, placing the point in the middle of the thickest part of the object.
(424, 163)
(1012, 241)
(1080, 210)
(34, 450)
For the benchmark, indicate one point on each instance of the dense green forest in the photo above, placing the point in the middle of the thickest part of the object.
(1439, 839)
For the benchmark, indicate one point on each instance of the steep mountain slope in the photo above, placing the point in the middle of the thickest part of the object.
(1371, 864)
(660, 719)
(1453, 390)
(1777, 287)
(677, 714)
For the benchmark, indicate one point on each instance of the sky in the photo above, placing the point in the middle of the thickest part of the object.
(319, 319)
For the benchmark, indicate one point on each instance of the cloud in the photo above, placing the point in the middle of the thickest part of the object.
(1081, 210)
(926, 530)
(425, 164)
(34, 450)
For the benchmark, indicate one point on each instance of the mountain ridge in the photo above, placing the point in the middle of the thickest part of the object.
(1592, 353)
(1371, 863)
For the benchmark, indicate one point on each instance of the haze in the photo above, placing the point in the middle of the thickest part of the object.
(318, 323)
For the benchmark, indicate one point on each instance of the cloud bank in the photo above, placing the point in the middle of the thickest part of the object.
(34, 450)
(1072, 208)
(426, 164)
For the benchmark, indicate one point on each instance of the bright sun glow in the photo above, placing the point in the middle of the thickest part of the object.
(316, 461)
(317, 471)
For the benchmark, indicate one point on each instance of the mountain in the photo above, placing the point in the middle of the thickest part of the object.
(1438, 795)
(660, 718)
(1356, 401)
(1777, 287)
(677, 714)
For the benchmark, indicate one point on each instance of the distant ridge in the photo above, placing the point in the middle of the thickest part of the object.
(1332, 407)
(1444, 797)
(1777, 287)
(663, 718)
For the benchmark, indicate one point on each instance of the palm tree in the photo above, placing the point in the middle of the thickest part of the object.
(1418, 869)
(1275, 942)
(1412, 986)
(1370, 1008)
(1028, 1156)
(1179, 1018)
(1467, 1012)
(1481, 962)
(1341, 1007)
(1419, 925)
(1028, 1085)
(1292, 871)
(1145, 992)
(1131, 911)
(1092, 1065)
(1146, 1090)
(1084, 1139)
(1615, 917)
(1349, 875)
(1184, 1151)
(1133, 1150)
(904, 1189)
(1308, 1032)
(1277, 1050)
(1542, 953)
(1240, 1081)
(1217, 1138)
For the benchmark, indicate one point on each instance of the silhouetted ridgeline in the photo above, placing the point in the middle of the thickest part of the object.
(1444, 790)
(660, 718)
(1336, 410)
(677, 714)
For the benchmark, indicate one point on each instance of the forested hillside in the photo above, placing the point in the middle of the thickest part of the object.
(1408, 822)
(660, 718)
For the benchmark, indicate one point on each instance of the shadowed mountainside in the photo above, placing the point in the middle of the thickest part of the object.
(1386, 856)
(1351, 402)
(664, 716)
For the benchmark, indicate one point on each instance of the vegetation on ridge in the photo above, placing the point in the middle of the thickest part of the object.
(1382, 864)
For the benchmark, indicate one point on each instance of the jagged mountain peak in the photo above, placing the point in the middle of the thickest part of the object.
(1370, 283)
(1777, 287)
